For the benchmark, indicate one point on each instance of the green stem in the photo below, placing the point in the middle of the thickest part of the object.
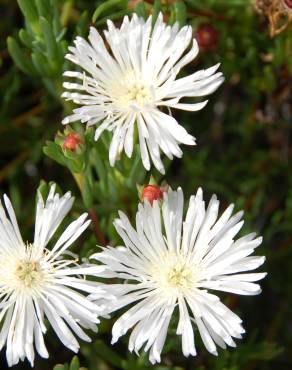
(79, 178)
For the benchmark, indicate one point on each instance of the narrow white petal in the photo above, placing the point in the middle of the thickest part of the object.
(130, 73)
(38, 283)
(169, 262)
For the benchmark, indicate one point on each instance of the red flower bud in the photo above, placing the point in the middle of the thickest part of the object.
(288, 3)
(151, 193)
(207, 36)
(71, 141)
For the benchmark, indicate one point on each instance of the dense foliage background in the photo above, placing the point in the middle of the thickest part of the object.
(243, 152)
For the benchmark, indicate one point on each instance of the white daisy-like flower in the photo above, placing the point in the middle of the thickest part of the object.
(37, 283)
(128, 80)
(168, 263)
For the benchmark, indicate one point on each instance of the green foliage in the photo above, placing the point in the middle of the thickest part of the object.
(250, 353)
(74, 365)
(110, 7)
(44, 47)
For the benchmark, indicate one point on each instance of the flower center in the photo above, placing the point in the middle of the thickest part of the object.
(130, 93)
(174, 273)
(28, 273)
(137, 93)
(179, 277)
(25, 271)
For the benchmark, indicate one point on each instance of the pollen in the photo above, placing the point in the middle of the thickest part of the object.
(28, 273)
(176, 275)
(138, 93)
(131, 93)
(179, 277)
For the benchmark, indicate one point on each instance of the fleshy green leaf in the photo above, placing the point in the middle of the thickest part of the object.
(44, 8)
(108, 354)
(157, 8)
(50, 40)
(30, 13)
(19, 57)
(54, 152)
(180, 12)
(41, 64)
(106, 6)
(140, 9)
(25, 38)
(75, 364)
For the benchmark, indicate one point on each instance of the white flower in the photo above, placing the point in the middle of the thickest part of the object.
(130, 78)
(37, 283)
(169, 263)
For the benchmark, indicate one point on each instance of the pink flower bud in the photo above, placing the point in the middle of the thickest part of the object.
(71, 141)
(151, 193)
(288, 3)
(207, 36)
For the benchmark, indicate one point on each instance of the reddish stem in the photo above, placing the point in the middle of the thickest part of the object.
(99, 235)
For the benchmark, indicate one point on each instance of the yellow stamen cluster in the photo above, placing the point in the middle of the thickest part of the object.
(175, 274)
(28, 272)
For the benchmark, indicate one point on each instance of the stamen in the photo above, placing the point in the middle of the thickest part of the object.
(179, 277)
(131, 92)
(177, 273)
(28, 272)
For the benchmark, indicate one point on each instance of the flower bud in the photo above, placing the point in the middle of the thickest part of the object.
(207, 36)
(288, 4)
(71, 141)
(151, 193)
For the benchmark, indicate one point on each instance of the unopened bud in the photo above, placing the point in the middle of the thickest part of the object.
(71, 141)
(151, 193)
(288, 4)
(207, 36)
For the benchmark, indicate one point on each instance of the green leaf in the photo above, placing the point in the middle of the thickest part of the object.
(82, 25)
(52, 88)
(137, 169)
(152, 180)
(39, 46)
(75, 165)
(140, 9)
(59, 367)
(63, 367)
(42, 189)
(108, 354)
(265, 351)
(180, 12)
(30, 13)
(87, 195)
(44, 8)
(157, 8)
(118, 15)
(100, 169)
(54, 152)
(66, 12)
(57, 27)
(106, 6)
(75, 365)
(25, 38)
(50, 40)
(19, 57)
(279, 51)
(41, 64)
(59, 37)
